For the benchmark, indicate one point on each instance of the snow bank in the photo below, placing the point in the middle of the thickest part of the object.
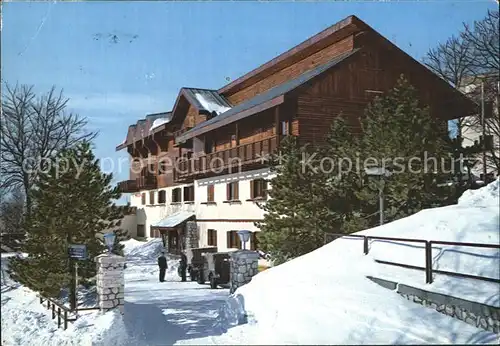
(487, 196)
(210, 106)
(324, 297)
(149, 250)
(142, 259)
(129, 245)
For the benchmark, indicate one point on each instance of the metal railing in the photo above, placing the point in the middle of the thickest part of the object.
(429, 271)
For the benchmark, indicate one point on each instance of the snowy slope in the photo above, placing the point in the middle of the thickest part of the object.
(324, 297)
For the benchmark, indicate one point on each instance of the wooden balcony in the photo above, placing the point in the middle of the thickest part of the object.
(148, 182)
(231, 160)
(128, 186)
(134, 185)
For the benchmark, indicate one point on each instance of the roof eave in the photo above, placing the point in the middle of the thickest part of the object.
(337, 27)
(243, 114)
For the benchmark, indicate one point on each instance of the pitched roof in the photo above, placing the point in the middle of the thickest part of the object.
(316, 42)
(264, 97)
(138, 130)
(207, 100)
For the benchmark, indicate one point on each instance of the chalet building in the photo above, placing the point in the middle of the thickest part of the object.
(216, 141)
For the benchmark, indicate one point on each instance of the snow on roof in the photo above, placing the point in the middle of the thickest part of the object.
(324, 297)
(211, 106)
(158, 123)
(173, 219)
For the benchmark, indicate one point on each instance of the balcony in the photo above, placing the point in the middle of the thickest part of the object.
(147, 182)
(231, 160)
(134, 185)
(128, 186)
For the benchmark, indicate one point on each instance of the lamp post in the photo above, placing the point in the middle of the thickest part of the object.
(381, 173)
(109, 240)
(244, 237)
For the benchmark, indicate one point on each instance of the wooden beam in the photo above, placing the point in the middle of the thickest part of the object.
(277, 122)
(237, 133)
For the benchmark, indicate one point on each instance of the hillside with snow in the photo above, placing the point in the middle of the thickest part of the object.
(323, 297)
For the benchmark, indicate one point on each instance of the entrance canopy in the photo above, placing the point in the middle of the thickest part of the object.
(174, 220)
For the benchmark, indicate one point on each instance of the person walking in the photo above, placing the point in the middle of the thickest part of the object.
(162, 263)
(183, 266)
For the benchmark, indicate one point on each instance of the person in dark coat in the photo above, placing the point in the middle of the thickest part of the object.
(162, 263)
(183, 266)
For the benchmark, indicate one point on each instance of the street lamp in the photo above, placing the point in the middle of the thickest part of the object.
(381, 173)
(109, 240)
(244, 237)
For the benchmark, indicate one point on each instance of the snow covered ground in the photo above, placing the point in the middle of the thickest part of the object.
(323, 297)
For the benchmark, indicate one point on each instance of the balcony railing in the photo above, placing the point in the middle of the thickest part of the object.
(148, 182)
(181, 131)
(228, 160)
(128, 186)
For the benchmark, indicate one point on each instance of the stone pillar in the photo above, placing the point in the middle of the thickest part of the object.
(110, 282)
(191, 235)
(243, 265)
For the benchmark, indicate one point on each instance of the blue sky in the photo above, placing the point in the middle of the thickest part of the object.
(163, 46)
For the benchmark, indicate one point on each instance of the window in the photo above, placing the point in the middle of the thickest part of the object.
(151, 197)
(284, 128)
(258, 189)
(254, 242)
(232, 191)
(233, 240)
(210, 193)
(189, 193)
(176, 195)
(212, 237)
(162, 196)
(143, 198)
(141, 231)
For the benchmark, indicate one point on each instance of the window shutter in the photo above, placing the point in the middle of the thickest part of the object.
(264, 188)
(236, 192)
(228, 235)
(252, 188)
(228, 192)
(210, 193)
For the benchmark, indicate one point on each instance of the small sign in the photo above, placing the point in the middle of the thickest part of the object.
(78, 251)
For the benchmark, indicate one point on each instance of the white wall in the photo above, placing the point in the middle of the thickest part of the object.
(149, 214)
(223, 211)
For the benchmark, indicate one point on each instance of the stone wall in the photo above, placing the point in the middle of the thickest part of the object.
(243, 266)
(110, 282)
(192, 238)
(479, 315)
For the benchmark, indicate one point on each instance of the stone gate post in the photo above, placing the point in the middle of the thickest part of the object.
(111, 282)
(243, 266)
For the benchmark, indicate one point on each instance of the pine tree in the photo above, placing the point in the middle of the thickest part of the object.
(294, 219)
(73, 204)
(400, 135)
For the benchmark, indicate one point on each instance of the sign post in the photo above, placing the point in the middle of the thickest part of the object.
(76, 252)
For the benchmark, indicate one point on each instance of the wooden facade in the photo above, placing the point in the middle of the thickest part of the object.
(368, 65)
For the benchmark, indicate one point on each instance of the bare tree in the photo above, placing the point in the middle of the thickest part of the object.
(483, 36)
(467, 60)
(452, 62)
(33, 128)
